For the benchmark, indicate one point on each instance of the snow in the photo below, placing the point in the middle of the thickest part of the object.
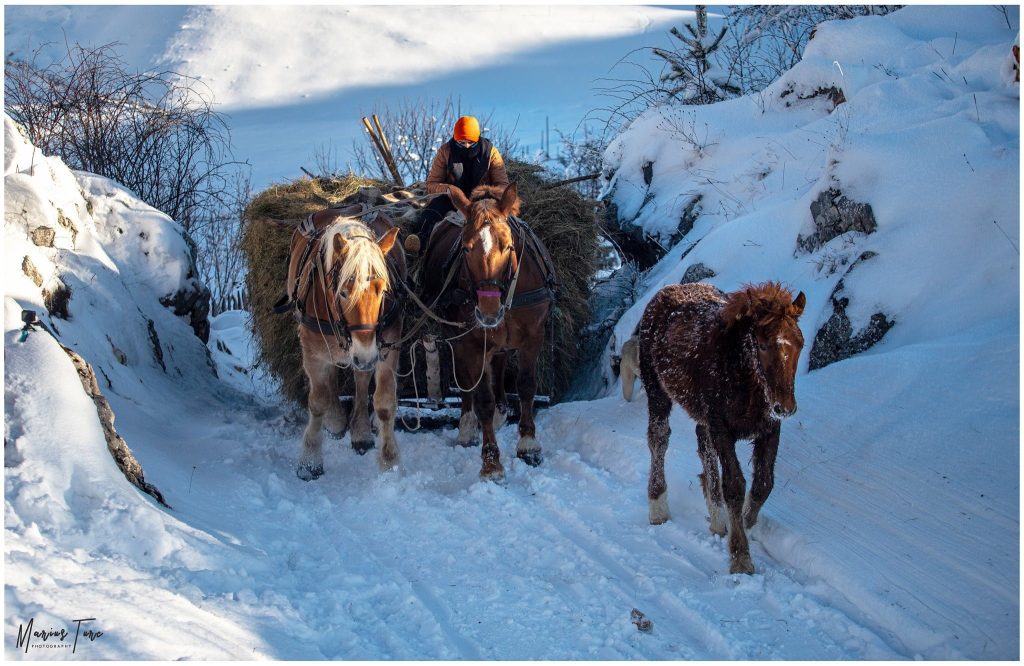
(892, 532)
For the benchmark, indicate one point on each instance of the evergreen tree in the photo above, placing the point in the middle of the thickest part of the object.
(692, 77)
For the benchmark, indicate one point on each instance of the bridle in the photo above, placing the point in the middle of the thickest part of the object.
(504, 290)
(337, 327)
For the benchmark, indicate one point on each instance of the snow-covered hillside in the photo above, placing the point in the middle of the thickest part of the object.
(893, 530)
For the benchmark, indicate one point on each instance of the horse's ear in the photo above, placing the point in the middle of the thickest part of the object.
(799, 302)
(509, 198)
(459, 200)
(339, 243)
(387, 241)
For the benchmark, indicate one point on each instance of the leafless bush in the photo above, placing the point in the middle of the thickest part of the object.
(154, 132)
(756, 45)
(220, 261)
(582, 154)
(764, 41)
(416, 129)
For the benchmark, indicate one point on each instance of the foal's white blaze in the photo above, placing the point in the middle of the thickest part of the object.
(485, 239)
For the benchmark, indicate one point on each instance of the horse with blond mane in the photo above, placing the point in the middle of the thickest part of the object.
(341, 281)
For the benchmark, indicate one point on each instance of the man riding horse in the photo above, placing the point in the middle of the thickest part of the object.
(466, 161)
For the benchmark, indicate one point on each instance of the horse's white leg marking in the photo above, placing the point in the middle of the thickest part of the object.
(385, 404)
(658, 512)
(469, 428)
(527, 444)
(716, 511)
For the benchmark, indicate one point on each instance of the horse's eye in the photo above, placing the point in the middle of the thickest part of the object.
(762, 346)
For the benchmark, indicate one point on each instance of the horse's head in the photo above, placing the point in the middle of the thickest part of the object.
(356, 260)
(487, 242)
(769, 313)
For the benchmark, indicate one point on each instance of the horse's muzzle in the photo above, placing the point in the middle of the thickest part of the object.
(489, 321)
(364, 351)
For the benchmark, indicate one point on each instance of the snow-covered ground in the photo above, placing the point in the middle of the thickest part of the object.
(893, 530)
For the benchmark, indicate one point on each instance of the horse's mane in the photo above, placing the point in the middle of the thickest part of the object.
(363, 260)
(492, 193)
(763, 304)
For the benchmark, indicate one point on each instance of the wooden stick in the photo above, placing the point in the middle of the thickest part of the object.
(384, 153)
(390, 157)
(578, 179)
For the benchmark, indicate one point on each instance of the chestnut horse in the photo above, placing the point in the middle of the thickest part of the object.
(730, 360)
(503, 296)
(339, 276)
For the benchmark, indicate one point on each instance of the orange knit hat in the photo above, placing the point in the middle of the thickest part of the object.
(467, 129)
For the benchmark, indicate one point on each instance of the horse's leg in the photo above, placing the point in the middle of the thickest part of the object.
(734, 486)
(483, 406)
(659, 405)
(362, 435)
(710, 481)
(766, 446)
(336, 417)
(528, 449)
(469, 428)
(500, 400)
(311, 460)
(385, 404)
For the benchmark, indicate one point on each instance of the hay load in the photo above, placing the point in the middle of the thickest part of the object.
(562, 219)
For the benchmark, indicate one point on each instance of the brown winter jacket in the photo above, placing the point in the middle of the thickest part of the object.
(439, 180)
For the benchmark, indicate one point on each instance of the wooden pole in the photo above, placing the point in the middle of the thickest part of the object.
(570, 181)
(379, 143)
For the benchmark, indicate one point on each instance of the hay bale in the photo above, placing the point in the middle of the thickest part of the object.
(563, 220)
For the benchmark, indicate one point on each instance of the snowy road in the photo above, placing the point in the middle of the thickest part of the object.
(430, 563)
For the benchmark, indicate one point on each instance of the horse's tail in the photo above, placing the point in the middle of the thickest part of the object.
(630, 366)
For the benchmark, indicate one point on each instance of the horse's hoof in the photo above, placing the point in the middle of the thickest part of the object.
(362, 446)
(335, 435)
(749, 520)
(531, 458)
(309, 472)
(468, 444)
(741, 564)
(718, 530)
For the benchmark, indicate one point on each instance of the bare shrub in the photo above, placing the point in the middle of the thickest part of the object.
(416, 129)
(767, 40)
(220, 261)
(156, 133)
(582, 154)
(756, 45)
